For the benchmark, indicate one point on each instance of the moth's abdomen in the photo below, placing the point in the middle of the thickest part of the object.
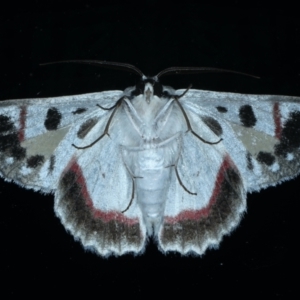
(151, 193)
(152, 177)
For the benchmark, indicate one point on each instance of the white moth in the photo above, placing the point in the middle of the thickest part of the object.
(150, 161)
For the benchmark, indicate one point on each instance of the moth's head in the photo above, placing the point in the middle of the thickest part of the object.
(149, 87)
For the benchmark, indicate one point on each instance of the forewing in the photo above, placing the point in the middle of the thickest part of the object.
(268, 127)
(35, 139)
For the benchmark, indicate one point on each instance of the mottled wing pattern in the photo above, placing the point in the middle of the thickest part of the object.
(267, 126)
(35, 140)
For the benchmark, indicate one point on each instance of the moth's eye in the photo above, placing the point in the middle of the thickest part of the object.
(165, 94)
(158, 91)
(137, 91)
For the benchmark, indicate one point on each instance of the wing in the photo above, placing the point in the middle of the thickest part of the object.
(267, 126)
(259, 147)
(32, 129)
(194, 222)
(36, 151)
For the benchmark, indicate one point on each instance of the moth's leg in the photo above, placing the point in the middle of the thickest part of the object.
(180, 181)
(107, 108)
(133, 188)
(177, 174)
(105, 132)
(176, 98)
(132, 196)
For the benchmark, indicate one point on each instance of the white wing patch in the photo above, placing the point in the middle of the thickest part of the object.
(174, 165)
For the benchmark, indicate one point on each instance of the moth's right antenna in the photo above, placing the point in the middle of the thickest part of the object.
(196, 70)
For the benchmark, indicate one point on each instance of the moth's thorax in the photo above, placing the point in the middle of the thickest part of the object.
(147, 104)
(148, 92)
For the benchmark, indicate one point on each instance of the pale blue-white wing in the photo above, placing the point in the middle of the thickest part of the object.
(258, 146)
(92, 186)
(35, 142)
(268, 127)
(194, 222)
(94, 191)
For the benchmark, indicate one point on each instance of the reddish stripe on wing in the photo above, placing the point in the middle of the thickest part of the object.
(204, 212)
(277, 120)
(97, 213)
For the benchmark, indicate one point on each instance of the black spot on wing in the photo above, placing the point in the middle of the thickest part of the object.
(221, 109)
(86, 127)
(79, 111)
(247, 116)
(53, 119)
(213, 124)
(5, 124)
(35, 161)
(10, 146)
(9, 139)
(290, 135)
(266, 158)
(249, 161)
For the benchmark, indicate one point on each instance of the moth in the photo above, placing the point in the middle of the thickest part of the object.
(150, 161)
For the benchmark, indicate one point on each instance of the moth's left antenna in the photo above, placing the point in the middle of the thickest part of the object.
(101, 63)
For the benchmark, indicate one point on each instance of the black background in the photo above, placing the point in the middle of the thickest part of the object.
(259, 257)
